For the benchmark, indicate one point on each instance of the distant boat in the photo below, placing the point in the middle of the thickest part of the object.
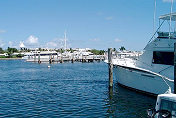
(43, 55)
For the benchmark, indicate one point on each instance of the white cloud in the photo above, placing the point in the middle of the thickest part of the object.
(1, 43)
(117, 40)
(51, 44)
(10, 44)
(168, 0)
(2, 31)
(95, 39)
(32, 40)
(99, 13)
(109, 18)
(56, 43)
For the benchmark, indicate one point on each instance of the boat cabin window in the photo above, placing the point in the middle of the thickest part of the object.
(166, 58)
(47, 54)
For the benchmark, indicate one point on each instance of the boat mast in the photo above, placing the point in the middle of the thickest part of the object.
(65, 41)
(170, 25)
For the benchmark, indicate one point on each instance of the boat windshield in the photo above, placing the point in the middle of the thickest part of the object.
(172, 29)
(166, 35)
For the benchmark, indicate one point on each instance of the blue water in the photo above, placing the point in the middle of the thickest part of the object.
(65, 90)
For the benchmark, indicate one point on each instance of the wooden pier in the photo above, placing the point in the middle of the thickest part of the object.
(61, 59)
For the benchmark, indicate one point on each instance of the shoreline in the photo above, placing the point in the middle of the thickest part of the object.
(10, 58)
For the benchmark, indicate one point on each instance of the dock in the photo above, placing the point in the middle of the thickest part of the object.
(65, 58)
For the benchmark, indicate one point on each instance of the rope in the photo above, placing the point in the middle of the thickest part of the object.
(164, 69)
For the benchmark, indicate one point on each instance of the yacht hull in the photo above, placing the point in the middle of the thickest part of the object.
(141, 81)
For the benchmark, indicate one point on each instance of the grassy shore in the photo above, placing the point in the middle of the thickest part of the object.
(10, 58)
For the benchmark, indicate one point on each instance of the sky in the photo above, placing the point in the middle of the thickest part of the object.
(95, 24)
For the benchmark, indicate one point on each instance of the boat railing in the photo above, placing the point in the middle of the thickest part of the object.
(134, 56)
(125, 58)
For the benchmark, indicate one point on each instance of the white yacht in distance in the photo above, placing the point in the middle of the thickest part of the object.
(28, 56)
(153, 72)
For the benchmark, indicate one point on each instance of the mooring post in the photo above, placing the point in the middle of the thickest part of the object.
(61, 60)
(175, 68)
(57, 57)
(39, 58)
(82, 59)
(50, 59)
(72, 60)
(110, 67)
(34, 57)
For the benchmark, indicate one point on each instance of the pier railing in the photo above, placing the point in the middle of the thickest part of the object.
(123, 58)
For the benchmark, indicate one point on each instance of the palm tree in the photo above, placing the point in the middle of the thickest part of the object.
(122, 48)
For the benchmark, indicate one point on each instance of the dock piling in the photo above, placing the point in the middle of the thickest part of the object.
(72, 60)
(175, 68)
(61, 60)
(110, 67)
(50, 59)
(39, 59)
(34, 57)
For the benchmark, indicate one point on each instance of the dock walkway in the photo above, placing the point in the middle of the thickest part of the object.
(61, 59)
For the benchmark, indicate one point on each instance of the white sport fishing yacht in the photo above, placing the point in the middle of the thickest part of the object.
(153, 72)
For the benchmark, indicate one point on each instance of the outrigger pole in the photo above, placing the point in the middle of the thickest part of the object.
(170, 19)
(175, 68)
(154, 18)
(175, 27)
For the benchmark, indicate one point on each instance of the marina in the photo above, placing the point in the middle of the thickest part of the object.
(55, 57)
(105, 68)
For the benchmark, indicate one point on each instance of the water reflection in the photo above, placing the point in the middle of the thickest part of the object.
(123, 103)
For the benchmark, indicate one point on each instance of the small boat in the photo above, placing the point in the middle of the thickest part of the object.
(165, 107)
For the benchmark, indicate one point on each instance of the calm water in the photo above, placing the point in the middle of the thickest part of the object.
(65, 90)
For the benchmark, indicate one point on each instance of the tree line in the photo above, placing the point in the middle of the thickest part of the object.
(10, 51)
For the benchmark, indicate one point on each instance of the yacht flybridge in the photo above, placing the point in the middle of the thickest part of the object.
(153, 71)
